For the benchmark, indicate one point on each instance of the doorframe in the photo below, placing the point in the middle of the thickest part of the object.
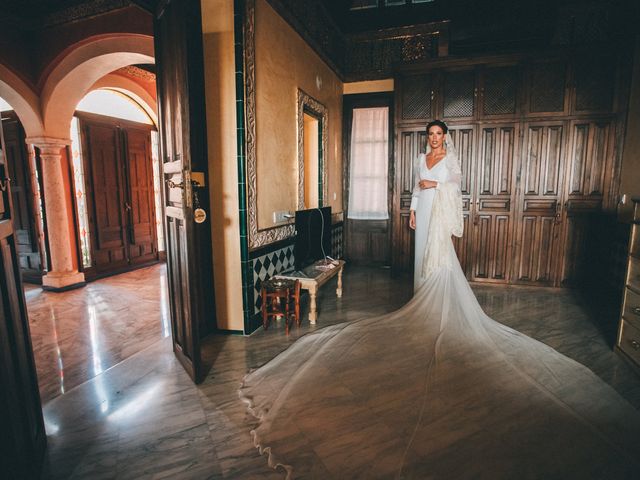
(367, 100)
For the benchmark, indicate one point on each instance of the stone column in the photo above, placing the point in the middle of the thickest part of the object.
(58, 207)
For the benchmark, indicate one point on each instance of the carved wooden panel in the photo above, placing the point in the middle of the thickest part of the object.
(542, 161)
(547, 82)
(463, 139)
(491, 249)
(459, 94)
(589, 156)
(416, 97)
(537, 240)
(500, 90)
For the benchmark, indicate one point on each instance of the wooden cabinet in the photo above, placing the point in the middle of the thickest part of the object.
(628, 344)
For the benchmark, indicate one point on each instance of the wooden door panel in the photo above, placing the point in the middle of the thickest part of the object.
(493, 224)
(105, 195)
(142, 228)
(546, 84)
(180, 83)
(499, 90)
(538, 217)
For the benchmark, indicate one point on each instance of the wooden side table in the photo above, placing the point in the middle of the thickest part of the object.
(317, 275)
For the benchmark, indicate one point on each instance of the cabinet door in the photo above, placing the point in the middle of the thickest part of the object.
(493, 215)
(458, 94)
(538, 217)
(587, 172)
(499, 91)
(415, 98)
(594, 79)
(547, 88)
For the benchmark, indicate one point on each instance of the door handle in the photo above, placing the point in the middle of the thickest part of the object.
(172, 184)
(4, 184)
(127, 206)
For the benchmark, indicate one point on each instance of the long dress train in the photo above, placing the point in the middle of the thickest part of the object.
(438, 390)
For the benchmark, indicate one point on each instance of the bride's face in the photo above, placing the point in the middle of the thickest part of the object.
(436, 137)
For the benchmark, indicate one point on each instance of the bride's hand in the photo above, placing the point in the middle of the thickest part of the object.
(424, 184)
(412, 219)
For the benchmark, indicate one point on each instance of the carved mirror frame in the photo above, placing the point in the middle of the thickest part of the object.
(309, 105)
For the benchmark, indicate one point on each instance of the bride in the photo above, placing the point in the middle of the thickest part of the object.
(437, 389)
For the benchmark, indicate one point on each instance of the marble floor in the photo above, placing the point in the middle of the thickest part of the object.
(118, 405)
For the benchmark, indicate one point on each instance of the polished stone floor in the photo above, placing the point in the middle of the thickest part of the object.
(118, 405)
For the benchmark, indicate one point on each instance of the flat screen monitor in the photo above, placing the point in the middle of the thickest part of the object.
(313, 236)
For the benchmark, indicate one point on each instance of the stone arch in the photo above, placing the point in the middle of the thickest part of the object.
(23, 100)
(75, 74)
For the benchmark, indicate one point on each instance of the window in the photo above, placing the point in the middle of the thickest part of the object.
(113, 104)
(369, 164)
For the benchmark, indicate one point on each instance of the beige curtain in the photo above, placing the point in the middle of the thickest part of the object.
(368, 170)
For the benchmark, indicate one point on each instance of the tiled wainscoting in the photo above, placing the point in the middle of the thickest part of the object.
(277, 258)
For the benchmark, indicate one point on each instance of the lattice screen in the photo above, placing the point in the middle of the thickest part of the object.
(500, 89)
(416, 97)
(594, 82)
(547, 87)
(459, 94)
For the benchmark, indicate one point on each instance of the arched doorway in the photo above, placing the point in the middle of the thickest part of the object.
(114, 146)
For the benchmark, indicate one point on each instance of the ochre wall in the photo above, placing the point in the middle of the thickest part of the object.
(630, 178)
(370, 86)
(217, 27)
(284, 63)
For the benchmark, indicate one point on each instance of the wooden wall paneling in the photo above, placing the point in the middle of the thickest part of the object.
(494, 202)
(142, 241)
(539, 202)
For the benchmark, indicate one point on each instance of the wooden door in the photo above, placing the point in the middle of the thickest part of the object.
(367, 241)
(23, 197)
(494, 202)
(181, 101)
(105, 195)
(140, 205)
(540, 203)
(23, 439)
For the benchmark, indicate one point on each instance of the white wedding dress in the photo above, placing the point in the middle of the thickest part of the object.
(437, 389)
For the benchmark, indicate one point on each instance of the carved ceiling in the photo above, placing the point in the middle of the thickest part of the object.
(34, 14)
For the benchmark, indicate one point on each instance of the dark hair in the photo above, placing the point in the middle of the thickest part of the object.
(438, 123)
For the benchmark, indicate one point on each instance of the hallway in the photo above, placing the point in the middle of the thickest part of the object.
(137, 415)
